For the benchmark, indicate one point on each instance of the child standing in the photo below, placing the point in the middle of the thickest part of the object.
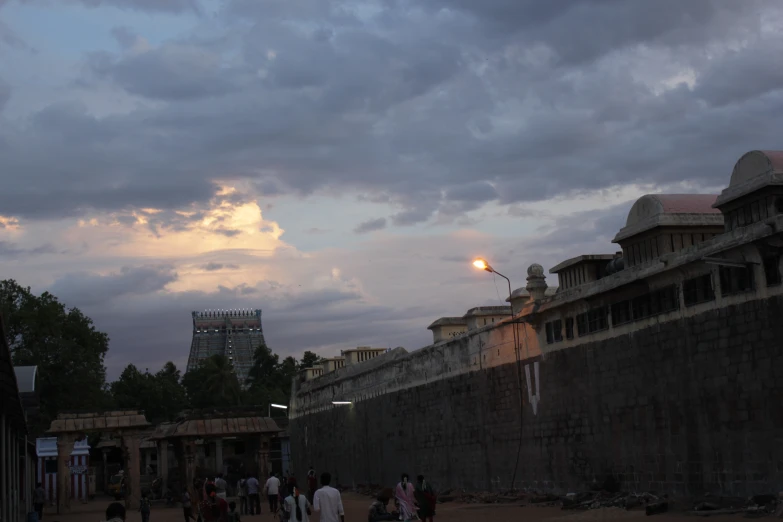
(144, 508)
(233, 516)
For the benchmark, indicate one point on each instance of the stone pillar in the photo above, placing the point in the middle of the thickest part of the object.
(219, 455)
(189, 452)
(163, 462)
(27, 485)
(131, 443)
(15, 482)
(263, 457)
(65, 444)
(106, 469)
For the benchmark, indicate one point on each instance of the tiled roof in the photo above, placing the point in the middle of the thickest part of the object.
(217, 427)
(111, 420)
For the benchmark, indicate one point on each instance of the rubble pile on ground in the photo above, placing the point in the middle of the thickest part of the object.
(604, 499)
(480, 497)
(755, 506)
(371, 490)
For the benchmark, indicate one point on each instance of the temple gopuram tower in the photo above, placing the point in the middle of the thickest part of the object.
(233, 333)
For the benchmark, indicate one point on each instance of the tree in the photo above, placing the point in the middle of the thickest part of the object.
(160, 395)
(63, 343)
(269, 379)
(309, 359)
(213, 384)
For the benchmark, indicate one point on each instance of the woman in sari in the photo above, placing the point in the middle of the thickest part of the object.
(425, 497)
(404, 495)
(212, 508)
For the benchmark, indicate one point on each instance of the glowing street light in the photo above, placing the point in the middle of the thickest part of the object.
(482, 265)
(272, 405)
(341, 403)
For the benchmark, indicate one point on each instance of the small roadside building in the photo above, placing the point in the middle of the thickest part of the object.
(79, 466)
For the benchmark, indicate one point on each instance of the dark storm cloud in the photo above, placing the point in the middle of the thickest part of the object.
(88, 289)
(162, 6)
(435, 108)
(170, 72)
(11, 250)
(370, 226)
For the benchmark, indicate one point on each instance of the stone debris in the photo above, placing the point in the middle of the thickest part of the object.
(755, 506)
(605, 499)
(481, 497)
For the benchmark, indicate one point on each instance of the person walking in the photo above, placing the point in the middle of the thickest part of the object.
(252, 495)
(296, 507)
(328, 501)
(404, 495)
(144, 507)
(242, 494)
(272, 489)
(312, 484)
(425, 498)
(221, 485)
(39, 499)
(187, 506)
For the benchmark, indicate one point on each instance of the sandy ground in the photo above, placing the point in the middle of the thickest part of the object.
(356, 507)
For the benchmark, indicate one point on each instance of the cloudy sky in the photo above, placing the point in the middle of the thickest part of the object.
(337, 163)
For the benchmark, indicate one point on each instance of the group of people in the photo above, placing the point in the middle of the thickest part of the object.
(412, 502)
(284, 497)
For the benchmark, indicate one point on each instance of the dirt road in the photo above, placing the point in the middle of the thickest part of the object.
(356, 507)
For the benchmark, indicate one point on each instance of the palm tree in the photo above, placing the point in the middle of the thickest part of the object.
(221, 381)
(213, 383)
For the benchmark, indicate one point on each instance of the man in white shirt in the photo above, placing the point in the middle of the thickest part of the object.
(328, 501)
(221, 485)
(272, 488)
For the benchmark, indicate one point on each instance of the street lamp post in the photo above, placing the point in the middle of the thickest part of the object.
(481, 264)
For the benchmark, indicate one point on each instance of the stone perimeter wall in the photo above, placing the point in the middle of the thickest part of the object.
(683, 407)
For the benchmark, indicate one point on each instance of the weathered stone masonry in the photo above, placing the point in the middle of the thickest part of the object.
(660, 368)
(687, 406)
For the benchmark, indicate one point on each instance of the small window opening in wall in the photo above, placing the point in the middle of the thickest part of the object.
(772, 270)
(735, 280)
(498, 351)
(569, 326)
(698, 290)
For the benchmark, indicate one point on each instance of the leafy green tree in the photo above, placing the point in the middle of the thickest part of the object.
(63, 343)
(309, 359)
(160, 395)
(213, 384)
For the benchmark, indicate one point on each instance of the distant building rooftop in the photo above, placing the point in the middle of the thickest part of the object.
(522, 292)
(605, 258)
(754, 170)
(487, 310)
(671, 210)
(448, 321)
